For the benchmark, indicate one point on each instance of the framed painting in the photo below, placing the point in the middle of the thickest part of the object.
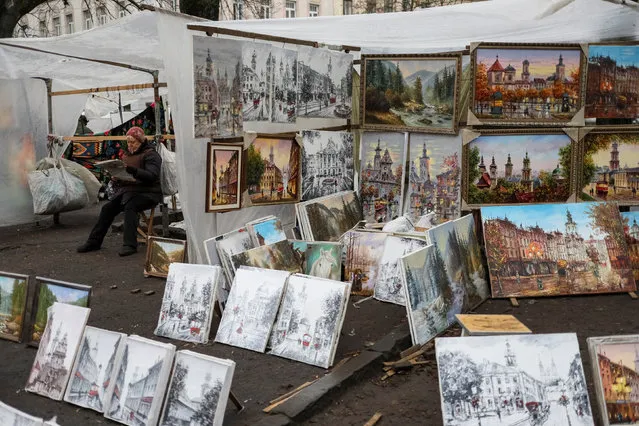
(631, 230)
(273, 171)
(160, 253)
(417, 93)
(13, 305)
(519, 166)
(610, 159)
(47, 292)
(612, 85)
(527, 84)
(224, 170)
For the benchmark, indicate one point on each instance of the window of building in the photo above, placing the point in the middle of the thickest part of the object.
(238, 9)
(102, 15)
(88, 20)
(498, 381)
(122, 12)
(313, 10)
(348, 7)
(57, 27)
(43, 29)
(290, 9)
(70, 25)
(388, 6)
(265, 9)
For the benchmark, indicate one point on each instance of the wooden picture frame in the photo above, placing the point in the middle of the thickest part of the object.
(228, 186)
(35, 305)
(504, 183)
(535, 102)
(9, 305)
(151, 269)
(395, 122)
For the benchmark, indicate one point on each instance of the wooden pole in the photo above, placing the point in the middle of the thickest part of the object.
(107, 89)
(108, 138)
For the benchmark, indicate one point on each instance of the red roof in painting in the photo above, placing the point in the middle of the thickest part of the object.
(496, 66)
(484, 181)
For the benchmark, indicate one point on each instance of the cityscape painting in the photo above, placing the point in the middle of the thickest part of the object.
(13, 417)
(161, 252)
(94, 368)
(416, 93)
(527, 83)
(257, 81)
(231, 243)
(284, 85)
(58, 346)
(273, 167)
(198, 391)
(615, 364)
(610, 170)
(251, 308)
(612, 90)
(556, 249)
(327, 163)
(13, 305)
(363, 252)
(511, 168)
(187, 305)
(329, 217)
(533, 379)
(310, 320)
(434, 177)
(223, 177)
(217, 91)
(278, 256)
(631, 230)
(382, 175)
(325, 83)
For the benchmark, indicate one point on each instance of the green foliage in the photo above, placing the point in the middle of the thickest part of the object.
(18, 297)
(417, 91)
(208, 9)
(565, 160)
(254, 166)
(46, 298)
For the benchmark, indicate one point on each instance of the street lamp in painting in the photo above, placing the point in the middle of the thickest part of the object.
(534, 252)
(621, 387)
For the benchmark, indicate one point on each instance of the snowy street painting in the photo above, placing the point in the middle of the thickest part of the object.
(534, 379)
(363, 251)
(310, 319)
(284, 85)
(251, 308)
(257, 81)
(10, 416)
(327, 163)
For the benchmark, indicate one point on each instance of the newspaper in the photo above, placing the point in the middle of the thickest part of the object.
(117, 169)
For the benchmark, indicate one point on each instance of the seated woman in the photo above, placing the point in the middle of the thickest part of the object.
(143, 163)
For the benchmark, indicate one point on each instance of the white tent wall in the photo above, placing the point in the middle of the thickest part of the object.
(66, 109)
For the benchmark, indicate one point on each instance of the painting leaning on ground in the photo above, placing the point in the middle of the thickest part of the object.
(13, 297)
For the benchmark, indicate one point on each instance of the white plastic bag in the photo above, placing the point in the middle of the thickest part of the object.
(55, 190)
(91, 183)
(168, 172)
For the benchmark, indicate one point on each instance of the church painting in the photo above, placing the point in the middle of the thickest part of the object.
(527, 84)
(382, 175)
(631, 230)
(556, 249)
(610, 166)
(516, 168)
(273, 171)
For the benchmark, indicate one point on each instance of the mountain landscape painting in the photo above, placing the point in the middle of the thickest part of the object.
(161, 252)
(13, 304)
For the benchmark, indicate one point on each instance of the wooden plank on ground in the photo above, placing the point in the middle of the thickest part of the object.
(373, 420)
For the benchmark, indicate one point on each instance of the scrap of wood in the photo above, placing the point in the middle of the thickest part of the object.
(633, 295)
(286, 397)
(290, 393)
(390, 373)
(514, 302)
(409, 351)
(373, 420)
(342, 362)
(406, 358)
(409, 364)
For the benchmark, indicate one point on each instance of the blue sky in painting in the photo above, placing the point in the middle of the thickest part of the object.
(6, 284)
(66, 294)
(271, 231)
(631, 216)
(624, 55)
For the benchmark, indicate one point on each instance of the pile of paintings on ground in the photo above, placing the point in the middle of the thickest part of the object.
(12, 416)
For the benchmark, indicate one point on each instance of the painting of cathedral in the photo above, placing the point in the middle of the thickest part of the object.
(257, 81)
(517, 168)
(382, 175)
(610, 169)
(327, 163)
(59, 343)
(527, 83)
(273, 171)
(217, 91)
(284, 85)
(631, 230)
(224, 175)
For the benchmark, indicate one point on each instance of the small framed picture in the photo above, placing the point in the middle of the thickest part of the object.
(160, 253)
(223, 177)
(47, 292)
(13, 305)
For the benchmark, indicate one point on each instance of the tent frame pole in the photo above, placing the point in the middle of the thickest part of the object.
(107, 89)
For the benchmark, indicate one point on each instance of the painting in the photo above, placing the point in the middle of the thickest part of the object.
(325, 83)
(160, 253)
(518, 167)
(13, 417)
(227, 245)
(459, 247)
(434, 177)
(224, 177)
(284, 85)
(388, 284)
(310, 320)
(327, 218)
(382, 175)
(515, 379)
(556, 249)
(327, 163)
(527, 84)
(266, 231)
(187, 305)
(198, 391)
(48, 292)
(363, 253)
(135, 395)
(323, 260)
(273, 171)
(615, 365)
(252, 307)
(94, 368)
(279, 256)
(611, 88)
(631, 231)
(411, 92)
(13, 305)
(58, 346)
(257, 79)
(610, 170)
(217, 78)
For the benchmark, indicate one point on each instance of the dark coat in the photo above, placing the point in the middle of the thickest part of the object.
(145, 166)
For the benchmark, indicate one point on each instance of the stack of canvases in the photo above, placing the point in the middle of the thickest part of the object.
(12, 416)
(126, 377)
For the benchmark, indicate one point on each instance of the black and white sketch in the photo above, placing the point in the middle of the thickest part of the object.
(251, 308)
(58, 346)
(10, 416)
(234, 242)
(187, 305)
(198, 391)
(257, 81)
(325, 82)
(284, 85)
(310, 319)
(534, 379)
(327, 163)
(94, 368)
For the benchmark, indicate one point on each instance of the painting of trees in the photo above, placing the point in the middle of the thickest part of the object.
(482, 91)
(459, 378)
(177, 388)
(205, 414)
(254, 166)
(496, 251)
(606, 220)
